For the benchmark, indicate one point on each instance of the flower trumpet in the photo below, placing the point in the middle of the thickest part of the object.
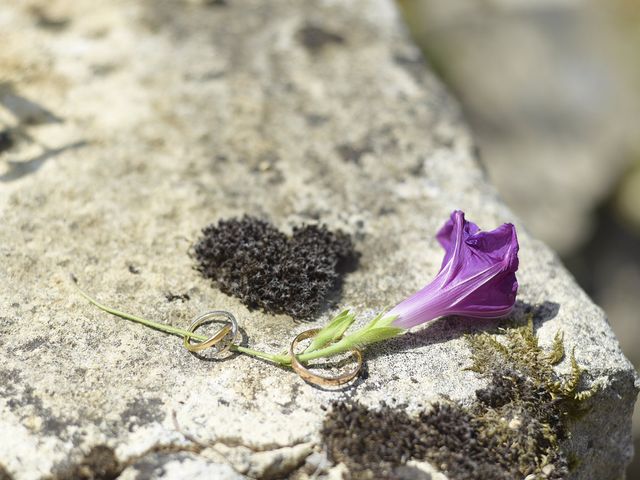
(477, 278)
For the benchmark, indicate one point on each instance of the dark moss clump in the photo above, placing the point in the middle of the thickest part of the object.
(99, 464)
(4, 475)
(315, 38)
(6, 140)
(512, 431)
(463, 443)
(173, 297)
(252, 260)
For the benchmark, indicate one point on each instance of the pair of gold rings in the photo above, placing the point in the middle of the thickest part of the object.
(227, 335)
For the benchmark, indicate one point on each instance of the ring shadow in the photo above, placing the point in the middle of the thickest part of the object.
(362, 375)
(349, 387)
(445, 329)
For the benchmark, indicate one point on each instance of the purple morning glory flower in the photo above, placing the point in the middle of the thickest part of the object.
(477, 277)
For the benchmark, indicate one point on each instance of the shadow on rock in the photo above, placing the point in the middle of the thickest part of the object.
(445, 329)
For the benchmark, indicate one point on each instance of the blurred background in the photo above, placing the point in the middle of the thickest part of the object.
(551, 89)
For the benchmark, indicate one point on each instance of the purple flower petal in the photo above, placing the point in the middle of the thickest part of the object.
(477, 277)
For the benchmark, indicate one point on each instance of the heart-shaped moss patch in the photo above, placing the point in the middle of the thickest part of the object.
(252, 260)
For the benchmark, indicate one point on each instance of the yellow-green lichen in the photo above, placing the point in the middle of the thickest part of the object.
(525, 385)
(518, 348)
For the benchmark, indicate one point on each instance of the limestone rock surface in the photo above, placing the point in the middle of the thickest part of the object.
(136, 123)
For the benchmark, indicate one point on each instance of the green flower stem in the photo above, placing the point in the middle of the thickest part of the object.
(344, 345)
(163, 327)
(149, 323)
(279, 359)
(284, 360)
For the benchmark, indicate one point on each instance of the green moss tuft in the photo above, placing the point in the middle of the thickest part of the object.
(557, 350)
(517, 348)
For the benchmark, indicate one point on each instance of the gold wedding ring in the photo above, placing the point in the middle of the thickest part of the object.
(315, 379)
(230, 328)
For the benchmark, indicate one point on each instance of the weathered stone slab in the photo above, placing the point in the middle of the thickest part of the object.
(166, 116)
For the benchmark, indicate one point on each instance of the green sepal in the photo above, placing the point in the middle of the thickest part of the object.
(374, 335)
(333, 331)
(376, 330)
(381, 320)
